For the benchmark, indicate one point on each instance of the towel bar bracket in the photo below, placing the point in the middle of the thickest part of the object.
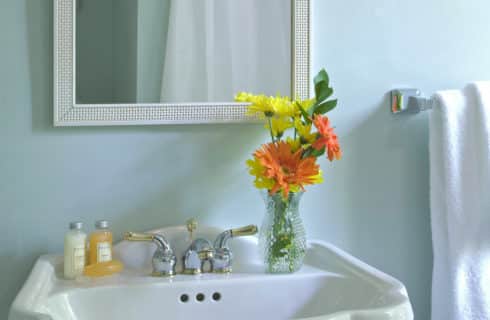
(409, 101)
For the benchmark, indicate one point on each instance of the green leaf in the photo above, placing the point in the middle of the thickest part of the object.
(318, 153)
(305, 114)
(324, 94)
(322, 76)
(311, 152)
(280, 246)
(322, 88)
(307, 153)
(325, 107)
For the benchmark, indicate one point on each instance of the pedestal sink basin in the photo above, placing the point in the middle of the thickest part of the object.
(331, 285)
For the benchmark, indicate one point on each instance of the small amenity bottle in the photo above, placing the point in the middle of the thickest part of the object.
(75, 248)
(100, 243)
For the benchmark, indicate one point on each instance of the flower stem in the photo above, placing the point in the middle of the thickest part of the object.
(270, 128)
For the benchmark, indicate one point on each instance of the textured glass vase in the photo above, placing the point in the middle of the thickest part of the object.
(282, 239)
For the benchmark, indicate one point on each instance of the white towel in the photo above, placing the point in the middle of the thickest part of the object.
(460, 203)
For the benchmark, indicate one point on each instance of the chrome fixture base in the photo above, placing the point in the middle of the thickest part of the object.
(409, 101)
(163, 274)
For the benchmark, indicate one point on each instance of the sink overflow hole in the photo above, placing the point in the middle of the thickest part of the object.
(200, 297)
(184, 298)
(216, 296)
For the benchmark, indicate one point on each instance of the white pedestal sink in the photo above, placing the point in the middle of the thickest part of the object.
(331, 285)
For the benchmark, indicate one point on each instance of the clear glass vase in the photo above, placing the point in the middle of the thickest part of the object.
(282, 238)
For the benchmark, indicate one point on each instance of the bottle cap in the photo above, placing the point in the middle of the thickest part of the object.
(102, 224)
(76, 225)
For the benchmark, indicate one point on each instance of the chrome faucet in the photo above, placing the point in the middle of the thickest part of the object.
(219, 255)
(164, 259)
(223, 256)
(195, 257)
(198, 252)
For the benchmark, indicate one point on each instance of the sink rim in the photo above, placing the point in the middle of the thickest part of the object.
(28, 298)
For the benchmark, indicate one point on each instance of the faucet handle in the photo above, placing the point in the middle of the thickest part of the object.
(222, 239)
(158, 239)
(133, 236)
(223, 257)
(164, 259)
(249, 230)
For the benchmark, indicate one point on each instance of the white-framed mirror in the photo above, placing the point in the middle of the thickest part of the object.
(137, 62)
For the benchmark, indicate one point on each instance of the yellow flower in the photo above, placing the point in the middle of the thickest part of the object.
(261, 104)
(267, 106)
(258, 171)
(295, 144)
(258, 104)
(279, 125)
(243, 97)
(304, 132)
(283, 107)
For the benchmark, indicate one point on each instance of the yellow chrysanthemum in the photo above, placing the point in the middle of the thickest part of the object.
(258, 171)
(243, 97)
(304, 132)
(283, 107)
(294, 143)
(267, 106)
(278, 125)
(259, 104)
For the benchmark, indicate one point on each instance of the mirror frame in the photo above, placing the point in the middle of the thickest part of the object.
(68, 113)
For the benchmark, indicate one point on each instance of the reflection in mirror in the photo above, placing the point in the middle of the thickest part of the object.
(181, 51)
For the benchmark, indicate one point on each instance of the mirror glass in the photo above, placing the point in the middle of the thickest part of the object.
(181, 51)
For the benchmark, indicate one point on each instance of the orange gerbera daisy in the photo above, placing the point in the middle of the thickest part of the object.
(287, 168)
(327, 138)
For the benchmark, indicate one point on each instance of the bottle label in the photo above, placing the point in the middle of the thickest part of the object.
(78, 259)
(104, 253)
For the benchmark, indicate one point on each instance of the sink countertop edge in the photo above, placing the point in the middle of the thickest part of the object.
(398, 308)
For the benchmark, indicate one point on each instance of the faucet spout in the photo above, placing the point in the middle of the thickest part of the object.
(196, 255)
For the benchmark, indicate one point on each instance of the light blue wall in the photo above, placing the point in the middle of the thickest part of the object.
(375, 203)
(378, 197)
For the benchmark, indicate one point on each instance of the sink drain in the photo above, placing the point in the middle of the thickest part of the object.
(216, 296)
(184, 298)
(200, 297)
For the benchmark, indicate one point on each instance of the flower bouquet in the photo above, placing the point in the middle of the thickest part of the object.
(300, 133)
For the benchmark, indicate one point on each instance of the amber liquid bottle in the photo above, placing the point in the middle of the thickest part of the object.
(100, 243)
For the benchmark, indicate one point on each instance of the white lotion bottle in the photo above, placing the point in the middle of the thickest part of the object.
(75, 250)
